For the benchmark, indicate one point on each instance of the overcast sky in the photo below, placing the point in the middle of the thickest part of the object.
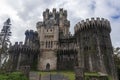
(25, 13)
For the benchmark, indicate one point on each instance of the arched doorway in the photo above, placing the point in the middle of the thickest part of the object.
(47, 67)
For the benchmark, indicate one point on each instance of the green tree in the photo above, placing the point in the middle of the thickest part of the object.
(117, 59)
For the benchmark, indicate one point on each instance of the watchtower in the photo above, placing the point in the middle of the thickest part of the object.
(95, 48)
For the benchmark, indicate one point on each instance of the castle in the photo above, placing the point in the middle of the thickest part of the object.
(52, 47)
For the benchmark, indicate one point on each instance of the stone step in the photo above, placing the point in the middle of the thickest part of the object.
(34, 76)
(54, 77)
(57, 76)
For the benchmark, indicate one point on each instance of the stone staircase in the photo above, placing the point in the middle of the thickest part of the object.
(34, 76)
(57, 76)
(54, 77)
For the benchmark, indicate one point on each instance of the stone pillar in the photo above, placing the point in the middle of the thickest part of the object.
(25, 70)
(79, 73)
(19, 59)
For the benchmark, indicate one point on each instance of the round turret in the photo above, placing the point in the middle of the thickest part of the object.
(27, 32)
(93, 39)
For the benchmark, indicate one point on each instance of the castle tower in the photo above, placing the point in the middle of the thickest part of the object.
(64, 24)
(31, 39)
(48, 30)
(95, 48)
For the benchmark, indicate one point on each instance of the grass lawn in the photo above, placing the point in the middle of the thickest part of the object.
(91, 74)
(13, 76)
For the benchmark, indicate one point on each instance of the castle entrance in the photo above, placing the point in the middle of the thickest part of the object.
(47, 67)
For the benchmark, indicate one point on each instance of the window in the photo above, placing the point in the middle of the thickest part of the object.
(51, 44)
(51, 30)
(46, 44)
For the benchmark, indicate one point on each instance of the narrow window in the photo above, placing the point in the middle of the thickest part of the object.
(51, 30)
(46, 44)
(51, 44)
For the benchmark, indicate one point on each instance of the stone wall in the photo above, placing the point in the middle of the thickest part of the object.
(47, 57)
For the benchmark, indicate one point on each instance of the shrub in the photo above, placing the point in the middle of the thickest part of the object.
(13, 76)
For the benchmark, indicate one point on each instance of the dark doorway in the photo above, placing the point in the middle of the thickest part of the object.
(47, 67)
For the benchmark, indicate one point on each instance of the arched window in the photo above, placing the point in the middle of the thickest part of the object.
(47, 30)
(51, 30)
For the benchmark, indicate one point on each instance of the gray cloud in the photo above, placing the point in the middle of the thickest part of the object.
(25, 14)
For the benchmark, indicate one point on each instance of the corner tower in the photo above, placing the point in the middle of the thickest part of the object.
(95, 47)
(54, 25)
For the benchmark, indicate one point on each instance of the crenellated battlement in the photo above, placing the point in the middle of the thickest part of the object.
(47, 14)
(53, 18)
(39, 24)
(92, 23)
(31, 32)
(31, 37)
(19, 46)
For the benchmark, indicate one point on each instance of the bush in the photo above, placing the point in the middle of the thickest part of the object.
(13, 76)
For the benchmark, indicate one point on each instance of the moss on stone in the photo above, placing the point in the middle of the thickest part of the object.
(91, 74)
(97, 75)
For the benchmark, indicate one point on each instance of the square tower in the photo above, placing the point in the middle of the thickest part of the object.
(54, 25)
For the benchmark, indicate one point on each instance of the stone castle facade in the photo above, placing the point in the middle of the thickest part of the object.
(52, 47)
